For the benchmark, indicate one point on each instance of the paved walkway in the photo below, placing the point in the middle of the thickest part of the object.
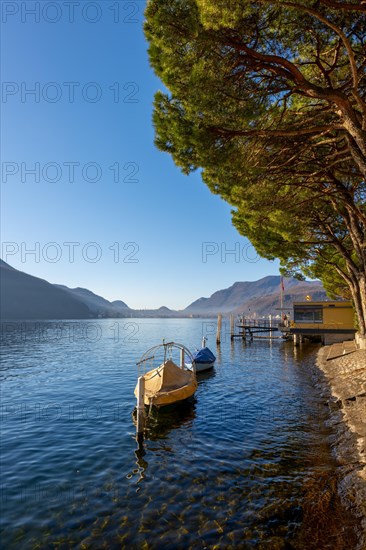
(343, 348)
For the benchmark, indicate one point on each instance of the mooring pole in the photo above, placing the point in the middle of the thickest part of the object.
(140, 408)
(232, 327)
(182, 358)
(218, 333)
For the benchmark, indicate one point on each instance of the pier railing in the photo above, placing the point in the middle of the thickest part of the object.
(249, 328)
(270, 324)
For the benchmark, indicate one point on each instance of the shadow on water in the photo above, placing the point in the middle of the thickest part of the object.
(205, 375)
(160, 422)
(158, 425)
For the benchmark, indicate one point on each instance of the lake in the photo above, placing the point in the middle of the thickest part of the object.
(246, 464)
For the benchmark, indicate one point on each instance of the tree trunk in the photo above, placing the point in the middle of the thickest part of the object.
(358, 290)
(355, 260)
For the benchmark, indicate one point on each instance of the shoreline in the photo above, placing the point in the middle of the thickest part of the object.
(342, 382)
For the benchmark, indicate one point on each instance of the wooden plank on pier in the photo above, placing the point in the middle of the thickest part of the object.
(248, 328)
(258, 327)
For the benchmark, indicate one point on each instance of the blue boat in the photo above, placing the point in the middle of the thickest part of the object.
(204, 358)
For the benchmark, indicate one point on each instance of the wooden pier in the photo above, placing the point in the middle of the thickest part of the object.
(248, 329)
(251, 328)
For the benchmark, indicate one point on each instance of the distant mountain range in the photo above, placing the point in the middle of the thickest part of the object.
(26, 297)
(96, 304)
(258, 297)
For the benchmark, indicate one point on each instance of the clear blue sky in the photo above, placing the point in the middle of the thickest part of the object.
(135, 228)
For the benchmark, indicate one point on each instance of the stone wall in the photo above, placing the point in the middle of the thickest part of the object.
(344, 387)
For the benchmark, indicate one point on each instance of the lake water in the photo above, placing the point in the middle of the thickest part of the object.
(245, 465)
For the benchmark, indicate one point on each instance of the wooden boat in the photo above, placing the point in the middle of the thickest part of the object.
(169, 382)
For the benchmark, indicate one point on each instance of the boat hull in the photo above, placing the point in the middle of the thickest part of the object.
(171, 397)
(201, 367)
(168, 384)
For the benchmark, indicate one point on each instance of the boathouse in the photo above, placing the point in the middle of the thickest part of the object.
(329, 321)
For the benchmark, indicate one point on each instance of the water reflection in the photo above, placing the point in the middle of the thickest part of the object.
(205, 375)
(141, 463)
(160, 422)
(158, 425)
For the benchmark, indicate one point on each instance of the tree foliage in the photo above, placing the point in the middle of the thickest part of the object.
(269, 99)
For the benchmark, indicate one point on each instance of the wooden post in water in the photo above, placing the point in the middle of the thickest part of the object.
(232, 327)
(218, 333)
(182, 358)
(140, 407)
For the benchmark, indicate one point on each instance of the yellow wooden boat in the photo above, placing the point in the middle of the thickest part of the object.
(168, 383)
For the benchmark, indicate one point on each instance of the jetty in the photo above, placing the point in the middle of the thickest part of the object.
(248, 329)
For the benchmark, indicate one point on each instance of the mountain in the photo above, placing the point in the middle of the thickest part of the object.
(120, 304)
(26, 297)
(260, 297)
(4, 265)
(162, 311)
(96, 304)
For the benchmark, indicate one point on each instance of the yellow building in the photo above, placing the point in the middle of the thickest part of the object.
(331, 321)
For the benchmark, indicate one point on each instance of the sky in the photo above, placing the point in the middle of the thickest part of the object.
(87, 199)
